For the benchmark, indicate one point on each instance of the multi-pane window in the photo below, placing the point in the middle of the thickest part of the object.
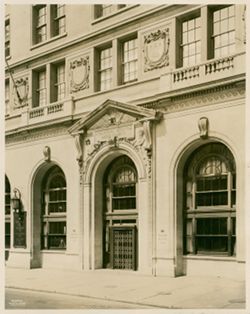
(224, 31)
(7, 212)
(107, 9)
(7, 96)
(130, 60)
(191, 41)
(59, 85)
(105, 69)
(124, 189)
(7, 38)
(40, 23)
(41, 88)
(59, 26)
(48, 21)
(54, 210)
(210, 212)
(102, 10)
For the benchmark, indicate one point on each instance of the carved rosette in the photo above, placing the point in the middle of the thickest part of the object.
(79, 74)
(21, 92)
(156, 49)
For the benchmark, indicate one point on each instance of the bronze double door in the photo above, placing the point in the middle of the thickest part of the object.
(120, 246)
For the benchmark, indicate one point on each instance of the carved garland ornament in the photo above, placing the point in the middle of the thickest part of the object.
(156, 50)
(21, 92)
(79, 74)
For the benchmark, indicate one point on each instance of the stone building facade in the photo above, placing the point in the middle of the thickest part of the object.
(125, 138)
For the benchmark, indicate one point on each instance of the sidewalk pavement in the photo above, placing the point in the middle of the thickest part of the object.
(131, 287)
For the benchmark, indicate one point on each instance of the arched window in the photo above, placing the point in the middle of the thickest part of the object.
(210, 211)
(7, 212)
(54, 210)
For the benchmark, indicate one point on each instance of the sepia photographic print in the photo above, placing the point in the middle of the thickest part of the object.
(126, 157)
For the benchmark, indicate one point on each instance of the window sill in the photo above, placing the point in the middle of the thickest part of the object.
(48, 41)
(59, 251)
(210, 258)
(103, 18)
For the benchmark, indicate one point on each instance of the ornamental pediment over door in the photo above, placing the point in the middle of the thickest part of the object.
(110, 124)
(111, 115)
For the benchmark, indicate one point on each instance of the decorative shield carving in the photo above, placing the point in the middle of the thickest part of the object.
(21, 91)
(79, 74)
(156, 50)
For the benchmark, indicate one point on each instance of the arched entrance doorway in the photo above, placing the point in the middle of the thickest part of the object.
(120, 215)
(206, 216)
(49, 212)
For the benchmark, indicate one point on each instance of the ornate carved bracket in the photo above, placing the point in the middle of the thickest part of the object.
(47, 153)
(79, 74)
(78, 144)
(156, 50)
(203, 127)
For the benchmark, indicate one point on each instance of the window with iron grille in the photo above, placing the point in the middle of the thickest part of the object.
(7, 212)
(130, 60)
(54, 210)
(191, 41)
(210, 211)
(7, 38)
(224, 31)
(105, 69)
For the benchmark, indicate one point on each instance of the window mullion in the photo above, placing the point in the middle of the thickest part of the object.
(229, 234)
(229, 189)
(194, 231)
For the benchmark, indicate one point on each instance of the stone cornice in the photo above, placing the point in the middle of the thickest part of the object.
(36, 134)
(189, 100)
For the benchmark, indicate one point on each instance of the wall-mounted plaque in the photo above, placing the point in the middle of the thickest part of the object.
(20, 230)
(79, 74)
(156, 49)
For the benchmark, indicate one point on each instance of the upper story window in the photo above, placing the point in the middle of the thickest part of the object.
(57, 81)
(48, 21)
(224, 31)
(40, 23)
(7, 38)
(130, 60)
(105, 69)
(39, 88)
(102, 10)
(7, 96)
(191, 41)
(58, 12)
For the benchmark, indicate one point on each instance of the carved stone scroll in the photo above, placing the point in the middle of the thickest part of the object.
(78, 144)
(47, 153)
(79, 74)
(203, 127)
(156, 49)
